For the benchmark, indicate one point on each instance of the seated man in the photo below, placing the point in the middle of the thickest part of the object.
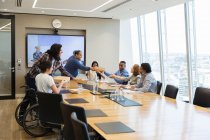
(74, 64)
(121, 72)
(147, 82)
(134, 78)
(45, 82)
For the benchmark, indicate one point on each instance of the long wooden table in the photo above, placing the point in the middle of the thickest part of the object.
(160, 118)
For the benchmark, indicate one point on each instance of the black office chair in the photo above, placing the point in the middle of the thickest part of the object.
(41, 117)
(171, 91)
(79, 128)
(202, 97)
(50, 112)
(49, 108)
(66, 112)
(159, 86)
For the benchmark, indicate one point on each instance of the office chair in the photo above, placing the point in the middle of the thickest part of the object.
(66, 112)
(40, 118)
(171, 91)
(159, 86)
(79, 128)
(202, 97)
(49, 110)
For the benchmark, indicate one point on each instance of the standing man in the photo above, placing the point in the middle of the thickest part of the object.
(74, 64)
(121, 72)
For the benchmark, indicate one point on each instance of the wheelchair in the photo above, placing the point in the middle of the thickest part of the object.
(27, 114)
(31, 123)
(44, 116)
(29, 100)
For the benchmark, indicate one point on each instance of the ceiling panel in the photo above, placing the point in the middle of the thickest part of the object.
(78, 5)
(116, 9)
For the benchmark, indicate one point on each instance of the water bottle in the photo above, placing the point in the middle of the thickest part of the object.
(94, 87)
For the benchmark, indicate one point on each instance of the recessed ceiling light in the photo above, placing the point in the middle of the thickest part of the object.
(5, 9)
(42, 11)
(35, 2)
(3, 0)
(74, 13)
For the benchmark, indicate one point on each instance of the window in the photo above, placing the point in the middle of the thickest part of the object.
(151, 46)
(134, 41)
(202, 25)
(175, 57)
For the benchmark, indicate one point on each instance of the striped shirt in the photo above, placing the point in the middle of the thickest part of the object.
(147, 83)
(57, 65)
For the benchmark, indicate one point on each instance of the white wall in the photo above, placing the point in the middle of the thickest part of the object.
(125, 52)
(102, 39)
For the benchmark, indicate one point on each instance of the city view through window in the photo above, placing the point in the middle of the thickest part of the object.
(174, 48)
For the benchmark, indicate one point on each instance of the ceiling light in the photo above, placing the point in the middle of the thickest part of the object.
(3, 1)
(42, 11)
(101, 5)
(74, 13)
(35, 2)
(5, 26)
(5, 9)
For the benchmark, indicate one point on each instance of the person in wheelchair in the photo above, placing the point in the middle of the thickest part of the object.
(45, 82)
(54, 56)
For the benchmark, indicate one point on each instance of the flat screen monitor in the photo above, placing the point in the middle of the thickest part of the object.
(37, 44)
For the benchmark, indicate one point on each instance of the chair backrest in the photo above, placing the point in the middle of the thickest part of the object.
(49, 107)
(67, 110)
(79, 128)
(202, 97)
(171, 91)
(159, 86)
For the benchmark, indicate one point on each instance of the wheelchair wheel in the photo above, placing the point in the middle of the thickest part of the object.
(31, 123)
(19, 115)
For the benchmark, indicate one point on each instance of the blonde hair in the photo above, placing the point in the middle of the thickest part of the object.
(136, 68)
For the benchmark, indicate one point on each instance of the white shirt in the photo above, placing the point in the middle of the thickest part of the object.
(92, 76)
(44, 82)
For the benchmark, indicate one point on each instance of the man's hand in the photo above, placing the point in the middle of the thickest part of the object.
(97, 69)
(112, 76)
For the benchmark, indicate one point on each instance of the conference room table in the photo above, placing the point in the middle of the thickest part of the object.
(159, 117)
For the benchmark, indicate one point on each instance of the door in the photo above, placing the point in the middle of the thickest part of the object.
(7, 57)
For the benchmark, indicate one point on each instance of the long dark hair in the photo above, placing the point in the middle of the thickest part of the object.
(54, 51)
(98, 74)
(94, 62)
(45, 65)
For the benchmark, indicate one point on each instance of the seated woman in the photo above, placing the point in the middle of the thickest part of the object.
(147, 82)
(44, 81)
(94, 75)
(134, 78)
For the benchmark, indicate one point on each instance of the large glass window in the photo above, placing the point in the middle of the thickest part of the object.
(173, 47)
(175, 57)
(135, 41)
(151, 46)
(202, 24)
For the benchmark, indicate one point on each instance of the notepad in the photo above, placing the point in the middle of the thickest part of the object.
(127, 102)
(114, 127)
(76, 101)
(95, 113)
(64, 91)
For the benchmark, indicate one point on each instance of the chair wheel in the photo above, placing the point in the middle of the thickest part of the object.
(31, 123)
